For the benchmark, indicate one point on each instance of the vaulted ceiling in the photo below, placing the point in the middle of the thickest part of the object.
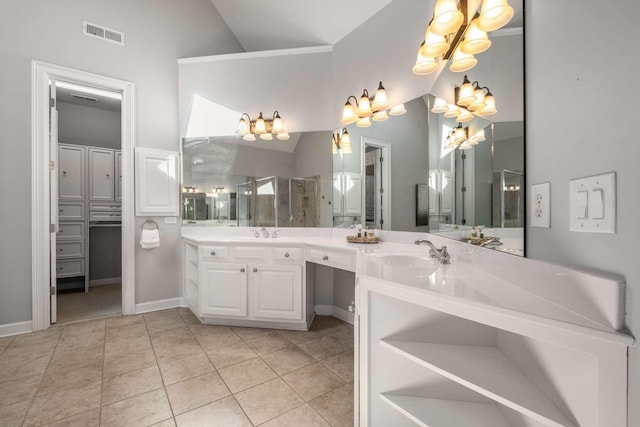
(283, 24)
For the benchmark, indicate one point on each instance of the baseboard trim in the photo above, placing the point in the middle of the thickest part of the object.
(337, 312)
(104, 282)
(163, 304)
(16, 328)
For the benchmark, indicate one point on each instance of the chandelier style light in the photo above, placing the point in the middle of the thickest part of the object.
(264, 128)
(452, 34)
(459, 138)
(341, 142)
(367, 108)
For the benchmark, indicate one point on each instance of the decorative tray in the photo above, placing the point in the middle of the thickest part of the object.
(479, 240)
(356, 239)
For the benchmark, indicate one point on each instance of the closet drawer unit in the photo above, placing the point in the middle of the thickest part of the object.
(108, 207)
(249, 254)
(70, 249)
(70, 268)
(71, 211)
(215, 253)
(70, 231)
(332, 258)
(105, 216)
(287, 255)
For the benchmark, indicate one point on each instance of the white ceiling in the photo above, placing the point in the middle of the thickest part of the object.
(283, 24)
(78, 97)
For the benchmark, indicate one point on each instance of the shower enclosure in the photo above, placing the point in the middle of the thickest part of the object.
(508, 206)
(278, 202)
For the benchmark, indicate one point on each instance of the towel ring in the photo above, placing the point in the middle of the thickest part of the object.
(152, 225)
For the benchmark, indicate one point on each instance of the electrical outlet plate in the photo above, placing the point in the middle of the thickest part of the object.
(592, 204)
(170, 220)
(541, 205)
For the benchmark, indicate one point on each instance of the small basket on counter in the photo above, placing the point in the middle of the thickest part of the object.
(369, 240)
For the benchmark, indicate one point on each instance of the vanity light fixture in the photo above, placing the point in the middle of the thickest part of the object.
(341, 142)
(397, 110)
(366, 108)
(188, 189)
(457, 36)
(264, 128)
(472, 96)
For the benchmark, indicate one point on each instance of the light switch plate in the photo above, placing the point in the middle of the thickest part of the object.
(541, 205)
(592, 204)
(170, 220)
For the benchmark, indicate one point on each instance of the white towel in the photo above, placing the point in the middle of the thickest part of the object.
(150, 239)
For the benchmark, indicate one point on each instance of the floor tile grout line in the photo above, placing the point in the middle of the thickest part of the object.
(104, 361)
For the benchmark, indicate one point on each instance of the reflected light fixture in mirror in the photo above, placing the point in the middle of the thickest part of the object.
(341, 142)
(365, 108)
(424, 64)
(494, 14)
(264, 128)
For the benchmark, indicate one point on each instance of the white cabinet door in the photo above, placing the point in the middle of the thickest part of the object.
(337, 194)
(157, 182)
(276, 291)
(434, 206)
(101, 174)
(447, 196)
(71, 170)
(118, 172)
(223, 291)
(352, 194)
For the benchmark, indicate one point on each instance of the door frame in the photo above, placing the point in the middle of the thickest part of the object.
(386, 176)
(41, 73)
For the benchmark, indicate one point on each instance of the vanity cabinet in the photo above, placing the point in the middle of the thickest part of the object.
(347, 194)
(246, 285)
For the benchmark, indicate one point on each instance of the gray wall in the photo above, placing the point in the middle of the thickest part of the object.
(567, 92)
(157, 32)
(83, 125)
(508, 154)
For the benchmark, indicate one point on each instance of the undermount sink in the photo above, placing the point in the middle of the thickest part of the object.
(409, 269)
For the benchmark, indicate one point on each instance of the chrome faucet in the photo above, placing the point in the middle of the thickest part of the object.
(256, 234)
(440, 254)
(265, 232)
(274, 233)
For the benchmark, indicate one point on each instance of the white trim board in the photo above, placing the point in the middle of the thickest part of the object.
(256, 54)
(163, 304)
(41, 74)
(16, 328)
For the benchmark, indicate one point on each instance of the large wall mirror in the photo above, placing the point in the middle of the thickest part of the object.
(474, 195)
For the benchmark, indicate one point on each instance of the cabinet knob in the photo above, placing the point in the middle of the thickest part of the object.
(213, 253)
(255, 270)
(286, 255)
(242, 270)
(325, 258)
(107, 175)
(60, 230)
(61, 210)
(60, 268)
(64, 172)
(59, 249)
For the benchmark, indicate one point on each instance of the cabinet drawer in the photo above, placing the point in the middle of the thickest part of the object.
(332, 258)
(70, 231)
(70, 268)
(215, 253)
(105, 216)
(287, 255)
(250, 253)
(71, 211)
(70, 249)
(109, 207)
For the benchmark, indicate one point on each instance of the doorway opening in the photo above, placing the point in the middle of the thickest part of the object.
(82, 195)
(376, 194)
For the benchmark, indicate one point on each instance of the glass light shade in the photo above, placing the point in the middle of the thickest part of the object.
(363, 122)
(475, 40)
(480, 136)
(334, 149)
(478, 103)
(462, 61)
(424, 64)
(465, 116)
(283, 136)
(397, 110)
(364, 106)
(465, 146)
(277, 126)
(249, 137)
(380, 101)
(460, 135)
(434, 45)
(260, 126)
(243, 129)
(266, 136)
(439, 106)
(465, 93)
(345, 143)
(494, 14)
(348, 114)
(490, 106)
(380, 116)
(452, 111)
(473, 141)
(446, 17)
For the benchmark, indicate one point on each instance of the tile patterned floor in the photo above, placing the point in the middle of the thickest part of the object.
(100, 301)
(167, 369)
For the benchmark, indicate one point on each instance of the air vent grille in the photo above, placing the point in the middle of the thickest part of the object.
(103, 33)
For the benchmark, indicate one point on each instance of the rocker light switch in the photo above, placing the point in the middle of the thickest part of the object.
(592, 204)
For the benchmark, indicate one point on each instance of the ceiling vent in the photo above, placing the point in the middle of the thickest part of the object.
(84, 97)
(103, 33)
